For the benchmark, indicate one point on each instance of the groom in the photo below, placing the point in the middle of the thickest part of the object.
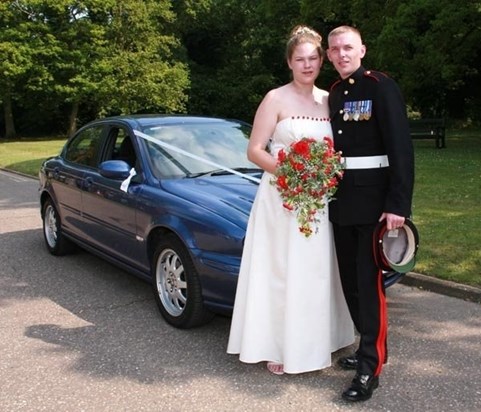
(370, 127)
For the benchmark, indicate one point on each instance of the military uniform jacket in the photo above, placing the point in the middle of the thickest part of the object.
(368, 117)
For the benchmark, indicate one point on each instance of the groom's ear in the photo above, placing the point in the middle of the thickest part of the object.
(363, 51)
(328, 54)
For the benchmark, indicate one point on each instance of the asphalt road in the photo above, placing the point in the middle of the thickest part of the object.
(77, 334)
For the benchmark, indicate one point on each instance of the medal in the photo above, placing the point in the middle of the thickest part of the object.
(347, 111)
(368, 110)
(357, 111)
(362, 110)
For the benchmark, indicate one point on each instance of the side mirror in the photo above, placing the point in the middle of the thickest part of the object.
(115, 169)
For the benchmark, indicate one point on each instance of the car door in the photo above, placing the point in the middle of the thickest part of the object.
(67, 176)
(110, 212)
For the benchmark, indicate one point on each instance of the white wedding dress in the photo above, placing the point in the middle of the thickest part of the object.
(289, 305)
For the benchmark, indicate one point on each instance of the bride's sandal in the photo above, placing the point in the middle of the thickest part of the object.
(275, 368)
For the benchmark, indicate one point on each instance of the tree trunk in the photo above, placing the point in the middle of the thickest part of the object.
(10, 132)
(72, 121)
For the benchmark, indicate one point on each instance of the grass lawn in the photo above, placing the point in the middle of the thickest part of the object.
(26, 155)
(446, 206)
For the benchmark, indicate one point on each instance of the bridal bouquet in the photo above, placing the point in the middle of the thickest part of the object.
(306, 177)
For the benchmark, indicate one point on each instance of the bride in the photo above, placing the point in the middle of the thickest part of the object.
(289, 308)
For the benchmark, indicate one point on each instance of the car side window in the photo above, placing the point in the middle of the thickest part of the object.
(84, 148)
(126, 151)
(121, 147)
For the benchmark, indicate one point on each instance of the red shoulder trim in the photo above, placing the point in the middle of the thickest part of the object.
(375, 75)
(335, 84)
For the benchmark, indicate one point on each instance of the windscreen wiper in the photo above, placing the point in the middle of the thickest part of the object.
(237, 169)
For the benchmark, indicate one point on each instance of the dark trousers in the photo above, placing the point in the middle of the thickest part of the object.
(363, 287)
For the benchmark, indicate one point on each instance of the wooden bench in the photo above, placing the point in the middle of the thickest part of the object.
(429, 129)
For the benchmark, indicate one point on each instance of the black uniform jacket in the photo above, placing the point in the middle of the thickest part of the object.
(368, 117)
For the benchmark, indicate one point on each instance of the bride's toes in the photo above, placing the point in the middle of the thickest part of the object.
(275, 368)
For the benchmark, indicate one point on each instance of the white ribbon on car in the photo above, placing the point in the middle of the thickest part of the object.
(125, 184)
(193, 156)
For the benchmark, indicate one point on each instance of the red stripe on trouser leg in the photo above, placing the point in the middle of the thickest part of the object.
(381, 338)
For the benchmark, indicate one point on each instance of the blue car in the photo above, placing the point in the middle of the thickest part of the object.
(166, 198)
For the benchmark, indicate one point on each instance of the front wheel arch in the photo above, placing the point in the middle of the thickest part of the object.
(176, 284)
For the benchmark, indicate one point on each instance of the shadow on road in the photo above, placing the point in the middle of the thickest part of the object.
(107, 322)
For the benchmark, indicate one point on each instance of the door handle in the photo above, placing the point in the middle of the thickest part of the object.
(88, 182)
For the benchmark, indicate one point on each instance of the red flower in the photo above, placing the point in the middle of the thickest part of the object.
(298, 166)
(329, 142)
(282, 182)
(307, 175)
(332, 182)
(302, 147)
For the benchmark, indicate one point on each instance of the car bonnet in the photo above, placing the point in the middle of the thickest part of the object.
(230, 197)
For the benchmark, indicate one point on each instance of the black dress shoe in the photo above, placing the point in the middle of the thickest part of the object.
(361, 388)
(348, 362)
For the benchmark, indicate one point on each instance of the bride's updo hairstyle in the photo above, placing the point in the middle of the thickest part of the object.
(303, 34)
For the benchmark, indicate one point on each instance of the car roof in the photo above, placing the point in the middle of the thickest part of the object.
(146, 120)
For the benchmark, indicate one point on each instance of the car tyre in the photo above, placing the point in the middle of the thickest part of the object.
(57, 243)
(176, 284)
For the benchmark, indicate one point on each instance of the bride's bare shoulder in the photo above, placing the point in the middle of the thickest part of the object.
(275, 100)
(278, 94)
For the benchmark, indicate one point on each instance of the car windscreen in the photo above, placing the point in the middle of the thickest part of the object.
(218, 143)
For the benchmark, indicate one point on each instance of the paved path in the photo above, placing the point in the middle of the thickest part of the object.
(77, 334)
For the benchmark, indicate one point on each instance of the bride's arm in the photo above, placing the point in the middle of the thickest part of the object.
(264, 124)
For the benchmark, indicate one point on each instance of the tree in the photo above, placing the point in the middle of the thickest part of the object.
(117, 56)
(433, 48)
(105, 56)
(67, 61)
(236, 52)
(145, 60)
(16, 59)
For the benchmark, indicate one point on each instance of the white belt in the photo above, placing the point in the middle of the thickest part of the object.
(365, 162)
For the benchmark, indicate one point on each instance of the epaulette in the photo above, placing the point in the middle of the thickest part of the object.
(335, 84)
(375, 75)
